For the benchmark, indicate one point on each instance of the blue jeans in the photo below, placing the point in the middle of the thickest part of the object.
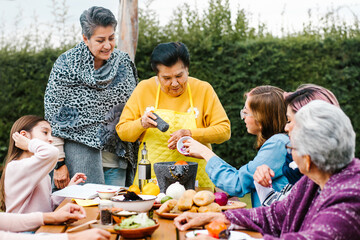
(114, 176)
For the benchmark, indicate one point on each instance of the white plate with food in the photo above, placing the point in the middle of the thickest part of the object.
(234, 235)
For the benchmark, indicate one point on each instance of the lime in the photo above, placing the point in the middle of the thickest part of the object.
(164, 199)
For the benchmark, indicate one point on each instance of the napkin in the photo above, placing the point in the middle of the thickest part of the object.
(85, 203)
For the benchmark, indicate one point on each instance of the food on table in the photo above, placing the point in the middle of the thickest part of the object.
(176, 210)
(221, 198)
(215, 228)
(159, 197)
(118, 216)
(131, 196)
(194, 208)
(137, 221)
(212, 207)
(134, 188)
(167, 206)
(191, 201)
(204, 198)
(151, 189)
(175, 190)
(186, 200)
(165, 199)
(182, 162)
(105, 208)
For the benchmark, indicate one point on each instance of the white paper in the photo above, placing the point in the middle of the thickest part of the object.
(234, 235)
(262, 191)
(86, 191)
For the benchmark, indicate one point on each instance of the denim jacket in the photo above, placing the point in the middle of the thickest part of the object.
(238, 182)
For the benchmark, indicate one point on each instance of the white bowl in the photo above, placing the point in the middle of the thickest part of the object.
(180, 145)
(106, 194)
(136, 205)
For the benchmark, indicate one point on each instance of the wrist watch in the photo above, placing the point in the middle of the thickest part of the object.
(59, 164)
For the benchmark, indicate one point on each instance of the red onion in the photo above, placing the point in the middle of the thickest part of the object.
(221, 198)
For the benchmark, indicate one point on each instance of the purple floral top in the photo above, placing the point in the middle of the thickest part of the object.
(308, 212)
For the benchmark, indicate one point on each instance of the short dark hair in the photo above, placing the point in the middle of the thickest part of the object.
(94, 17)
(169, 54)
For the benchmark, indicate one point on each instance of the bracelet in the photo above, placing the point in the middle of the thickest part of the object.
(59, 164)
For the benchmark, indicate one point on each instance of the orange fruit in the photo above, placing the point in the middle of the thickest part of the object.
(151, 189)
(215, 227)
(181, 162)
(134, 188)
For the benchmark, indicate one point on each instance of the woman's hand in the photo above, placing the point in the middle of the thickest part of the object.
(21, 141)
(147, 120)
(198, 150)
(175, 136)
(263, 175)
(69, 213)
(61, 176)
(77, 178)
(91, 234)
(189, 220)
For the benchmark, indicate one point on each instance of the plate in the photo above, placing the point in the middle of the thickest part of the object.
(156, 205)
(233, 234)
(138, 232)
(167, 215)
(233, 205)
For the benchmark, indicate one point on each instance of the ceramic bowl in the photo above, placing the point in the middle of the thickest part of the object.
(118, 216)
(138, 232)
(106, 194)
(136, 205)
(180, 145)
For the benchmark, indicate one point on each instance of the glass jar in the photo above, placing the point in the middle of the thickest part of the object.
(105, 208)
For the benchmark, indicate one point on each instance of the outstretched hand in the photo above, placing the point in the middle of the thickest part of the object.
(69, 213)
(175, 136)
(198, 150)
(77, 178)
(189, 220)
(91, 234)
(263, 175)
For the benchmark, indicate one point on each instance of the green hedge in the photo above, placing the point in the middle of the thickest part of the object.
(232, 69)
(231, 56)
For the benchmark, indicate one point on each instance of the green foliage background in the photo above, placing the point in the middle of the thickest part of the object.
(231, 56)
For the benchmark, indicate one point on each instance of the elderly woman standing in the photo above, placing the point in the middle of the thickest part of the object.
(190, 106)
(325, 203)
(87, 89)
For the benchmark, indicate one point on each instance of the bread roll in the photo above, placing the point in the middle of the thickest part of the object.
(175, 209)
(203, 198)
(167, 206)
(212, 207)
(193, 209)
(186, 200)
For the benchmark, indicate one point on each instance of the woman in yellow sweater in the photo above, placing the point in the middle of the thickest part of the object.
(190, 106)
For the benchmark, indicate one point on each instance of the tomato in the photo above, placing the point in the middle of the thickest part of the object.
(181, 162)
(215, 227)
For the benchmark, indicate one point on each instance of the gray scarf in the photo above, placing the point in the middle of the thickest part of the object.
(83, 104)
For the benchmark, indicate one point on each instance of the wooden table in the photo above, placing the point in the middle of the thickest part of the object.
(166, 230)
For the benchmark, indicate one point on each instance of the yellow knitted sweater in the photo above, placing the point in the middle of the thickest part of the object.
(213, 125)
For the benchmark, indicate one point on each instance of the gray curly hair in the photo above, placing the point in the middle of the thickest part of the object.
(324, 132)
(94, 17)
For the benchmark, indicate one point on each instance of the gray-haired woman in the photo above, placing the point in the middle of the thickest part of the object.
(325, 203)
(87, 89)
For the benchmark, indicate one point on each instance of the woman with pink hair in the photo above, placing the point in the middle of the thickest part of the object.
(264, 174)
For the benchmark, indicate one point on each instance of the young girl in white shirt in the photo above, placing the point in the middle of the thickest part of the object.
(25, 182)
